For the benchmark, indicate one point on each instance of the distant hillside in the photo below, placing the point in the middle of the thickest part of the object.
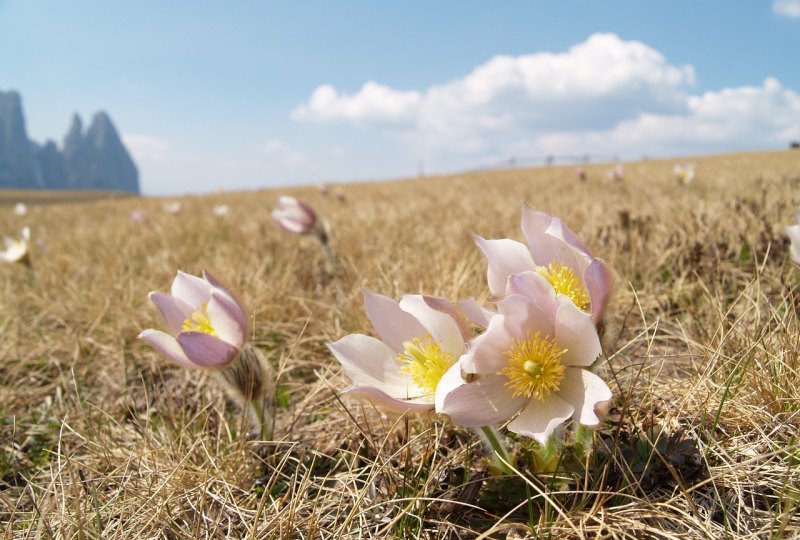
(92, 159)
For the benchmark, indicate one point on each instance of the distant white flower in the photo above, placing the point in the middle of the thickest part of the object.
(684, 173)
(617, 172)
(294, 216)
(21, 209)
(221, 210)
(17, 250)
(139, 217)
(794, 235)
(173, 207)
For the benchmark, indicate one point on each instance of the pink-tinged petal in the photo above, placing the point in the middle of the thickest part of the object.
(534, 223)
(8, 241)
(506, 257)
(369, 362)
(227, 318)
(540, 418)
(576, 332)
(392, 324)
(192, 290)
(446, 306)
(167, 345)
(584, 391)
(558, 229)
(476, 313)
(384, 401)
(206, 350)
(486, 353)
(175, 311)
(525, 318)
(441, 326)
(219, 285)
(26, 234)
(483, 402)
(599, 284)
(534, 286)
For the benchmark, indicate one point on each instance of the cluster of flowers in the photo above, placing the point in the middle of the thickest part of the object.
(530, 363)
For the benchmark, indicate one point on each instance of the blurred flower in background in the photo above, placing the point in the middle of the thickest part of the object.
(794, 236)
(221, 210)
(173, 207)
(21, 209)
(17, 251)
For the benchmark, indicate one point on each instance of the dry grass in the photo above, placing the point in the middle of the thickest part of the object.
(103, 438)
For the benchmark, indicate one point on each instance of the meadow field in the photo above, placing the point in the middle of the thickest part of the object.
(103, 437)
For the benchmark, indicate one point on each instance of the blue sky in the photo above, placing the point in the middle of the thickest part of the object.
(256, 94)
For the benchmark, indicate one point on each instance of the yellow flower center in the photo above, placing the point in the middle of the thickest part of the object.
(199, 322)
(425, 362)
(534, 367)
(564, 281)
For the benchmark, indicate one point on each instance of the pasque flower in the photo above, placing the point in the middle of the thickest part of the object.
(794, 236)
(17, 250)
(684, 173)
(21, 209)
(529, 365)
(294, 216)
(173, 207)
(221, 210)
(206, 324)
(555, 256)
(421, 339)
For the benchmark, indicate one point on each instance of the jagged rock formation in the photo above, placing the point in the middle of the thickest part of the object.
(96, 159)
(16, 158)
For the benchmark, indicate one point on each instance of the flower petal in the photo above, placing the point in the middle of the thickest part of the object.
(192, 290)
(206, 350)
(392, 324)
(551, 247)
(227, 318)
(384, 401)
(535, 222)
(506, 257)
(584, 391)
(441, 326)
(167, 345)
(175, 311)
(446, 306)
(576, 332)
(476, 313)
(369, 362)
(525, 317)
(486, 353)
(599, 284)
(479, 403)
(535, 287)
(539, 418)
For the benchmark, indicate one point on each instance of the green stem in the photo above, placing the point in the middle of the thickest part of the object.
(502, 459)
(263, 419)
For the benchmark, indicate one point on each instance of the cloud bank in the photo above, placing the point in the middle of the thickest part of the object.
(787, 8)
(604, 95)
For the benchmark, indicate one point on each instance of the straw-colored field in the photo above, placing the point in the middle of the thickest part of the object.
(101, 437)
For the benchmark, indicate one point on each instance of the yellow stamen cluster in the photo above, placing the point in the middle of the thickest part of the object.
(564, 281)
(199, 322)
(534, 367)
(425, 362)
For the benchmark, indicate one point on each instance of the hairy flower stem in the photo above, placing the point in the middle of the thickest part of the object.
(321, 234)
(500, 455)
(261, 408)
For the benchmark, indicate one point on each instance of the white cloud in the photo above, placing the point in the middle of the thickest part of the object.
(787, 8)
(602, 95)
